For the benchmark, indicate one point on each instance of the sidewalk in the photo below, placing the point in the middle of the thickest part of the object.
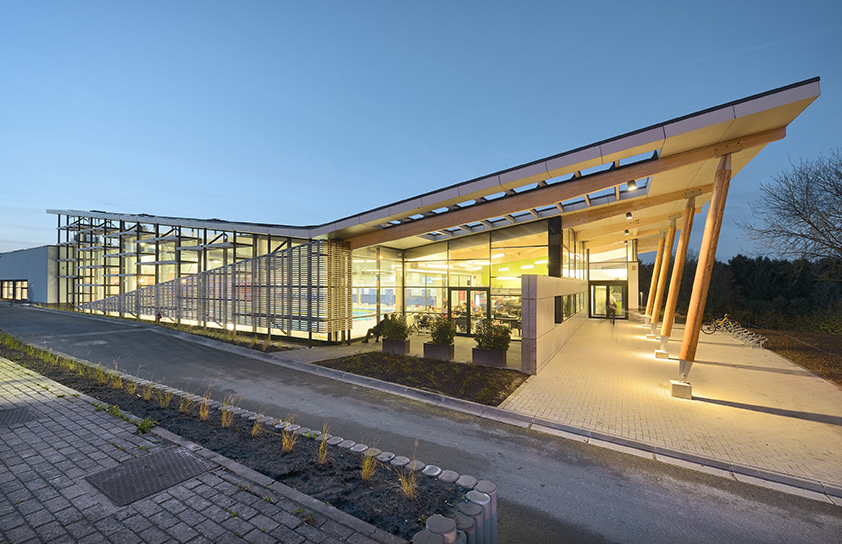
(751, 408)
(68, 467)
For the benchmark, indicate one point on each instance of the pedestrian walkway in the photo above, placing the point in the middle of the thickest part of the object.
(751, 408)
(63, 479)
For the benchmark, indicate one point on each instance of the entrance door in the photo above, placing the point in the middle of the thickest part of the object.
(602, 292)
(467, 306)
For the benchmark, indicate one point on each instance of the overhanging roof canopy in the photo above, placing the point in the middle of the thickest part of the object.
(649, 172)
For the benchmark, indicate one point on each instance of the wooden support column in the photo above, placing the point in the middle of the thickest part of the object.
(707, 255)
(662, 277)
(677, 273)
(653, 284)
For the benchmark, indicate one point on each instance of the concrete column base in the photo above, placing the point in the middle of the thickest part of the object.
(681, 390)
(662, 354)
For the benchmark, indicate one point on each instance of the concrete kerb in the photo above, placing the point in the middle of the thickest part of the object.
(503, 416)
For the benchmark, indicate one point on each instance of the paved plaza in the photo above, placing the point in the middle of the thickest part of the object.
(751, 408)
(52, 440)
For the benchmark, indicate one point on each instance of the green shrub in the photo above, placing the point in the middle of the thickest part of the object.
(442, 330)
(395, 328)
(491, 336)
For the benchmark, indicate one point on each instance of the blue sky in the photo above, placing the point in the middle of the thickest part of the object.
(299, 113)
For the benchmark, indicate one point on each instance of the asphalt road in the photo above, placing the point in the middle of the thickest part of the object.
(551, 489)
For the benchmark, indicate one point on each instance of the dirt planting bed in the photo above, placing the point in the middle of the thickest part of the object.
(338, 481)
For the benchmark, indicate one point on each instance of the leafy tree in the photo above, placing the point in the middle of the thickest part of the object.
(800, 211)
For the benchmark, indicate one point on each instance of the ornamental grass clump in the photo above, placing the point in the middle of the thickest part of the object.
(164, 398)
(493, 336)
(323, 445)
(288, 437)
(409, 482)
(442, 331)
(369, 466)
(228, 404)
(257, 426)
(204, 407)
(185, 403)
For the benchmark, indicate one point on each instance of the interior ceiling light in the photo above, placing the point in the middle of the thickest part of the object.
(628, 216)
(503, 269)
(632, 185)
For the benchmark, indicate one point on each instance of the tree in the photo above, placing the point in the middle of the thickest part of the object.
(801, 211)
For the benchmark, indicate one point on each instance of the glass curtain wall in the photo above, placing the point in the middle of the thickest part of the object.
(468, 278)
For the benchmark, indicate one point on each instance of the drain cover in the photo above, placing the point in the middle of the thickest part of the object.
(16, 415)
(142, 477)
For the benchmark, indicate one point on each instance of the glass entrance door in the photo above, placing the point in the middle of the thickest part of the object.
(601, 295)
(467, 306)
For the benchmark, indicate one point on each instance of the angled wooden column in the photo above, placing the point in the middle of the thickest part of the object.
(662, 277)
(653, 284)
(677, 273)
(707, 255)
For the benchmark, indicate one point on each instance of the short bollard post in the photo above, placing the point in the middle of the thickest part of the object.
(474, 511)
(484, 486)
(467, 525)
(443, 526)
(483, 501)
(426, 537)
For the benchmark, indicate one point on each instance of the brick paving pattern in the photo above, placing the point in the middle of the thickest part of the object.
(44, 496)
(751, 407)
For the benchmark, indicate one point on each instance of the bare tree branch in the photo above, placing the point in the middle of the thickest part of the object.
(800, 211)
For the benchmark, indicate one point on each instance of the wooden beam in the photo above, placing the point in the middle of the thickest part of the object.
(655, 274)
(590, 234)
(662, 278)
(707, 256)
(582, 217)
(678, 270)
(563, 191)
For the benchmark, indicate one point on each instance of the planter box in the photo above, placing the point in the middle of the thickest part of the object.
(398, 347)
(489, 357)
(437, 351)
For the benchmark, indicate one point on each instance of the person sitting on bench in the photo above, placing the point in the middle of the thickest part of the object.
(376, 330)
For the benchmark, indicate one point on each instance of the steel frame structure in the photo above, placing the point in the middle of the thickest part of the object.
(306, 288)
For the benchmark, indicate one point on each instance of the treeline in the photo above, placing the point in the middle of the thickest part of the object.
(767, 294)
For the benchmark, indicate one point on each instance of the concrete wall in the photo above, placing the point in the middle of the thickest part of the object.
(38, 267)
(542, 336)
(634, 285)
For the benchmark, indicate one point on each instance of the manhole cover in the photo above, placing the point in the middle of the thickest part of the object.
(16, 415)
(142, 477)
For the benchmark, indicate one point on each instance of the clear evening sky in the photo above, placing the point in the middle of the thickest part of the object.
(301, 112)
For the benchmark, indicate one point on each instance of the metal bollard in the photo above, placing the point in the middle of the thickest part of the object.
(484, 501)
(484, 486)
(474, 511)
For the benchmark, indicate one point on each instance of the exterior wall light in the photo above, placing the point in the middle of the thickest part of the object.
(628, 216)
(632, 185)
(626, 232)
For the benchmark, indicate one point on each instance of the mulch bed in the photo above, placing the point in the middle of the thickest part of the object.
(484, 385)
(817, 352)
(338, 482)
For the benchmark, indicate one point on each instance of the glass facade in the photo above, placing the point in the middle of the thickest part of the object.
(468, 278)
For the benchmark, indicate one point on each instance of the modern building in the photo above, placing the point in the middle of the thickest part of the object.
(30, 275)
(538, 247)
